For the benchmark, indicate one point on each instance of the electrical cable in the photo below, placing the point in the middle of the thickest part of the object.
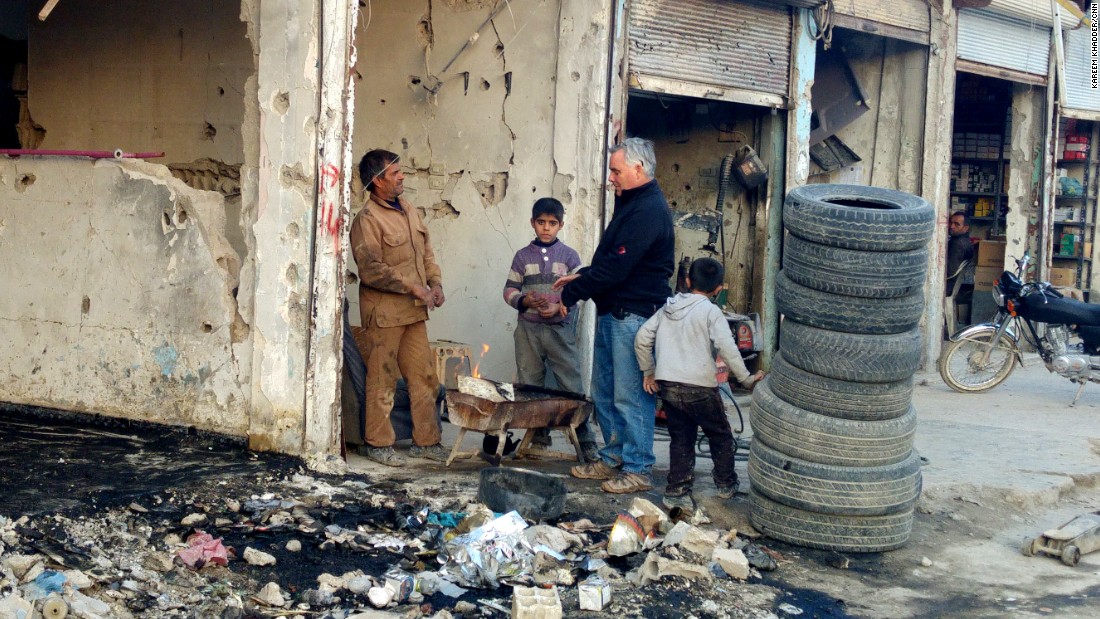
(823, 19)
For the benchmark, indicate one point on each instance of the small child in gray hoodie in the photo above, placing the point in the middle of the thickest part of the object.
(687, 333)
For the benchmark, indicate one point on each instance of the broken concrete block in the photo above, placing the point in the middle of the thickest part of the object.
(536, 603)
(294, 546)
(657, 567)
(192, 520)
(652, 518)
(16, 607)
(360, 584)
(380, 597)
(692, 539)
(258, 557)
(732, 562)
(83, 606)
(21, 564)
(79, 580)
(594, 593)
(270, 595)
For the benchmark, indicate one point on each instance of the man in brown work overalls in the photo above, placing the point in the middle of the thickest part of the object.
(399, 282)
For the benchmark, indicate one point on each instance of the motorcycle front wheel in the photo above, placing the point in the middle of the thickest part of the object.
(962, 368)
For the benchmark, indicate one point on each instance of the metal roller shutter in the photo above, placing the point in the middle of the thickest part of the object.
(989, 41)
(904, 19)
(711, 48)
(1081, 96)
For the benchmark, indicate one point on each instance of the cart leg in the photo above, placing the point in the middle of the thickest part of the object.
(457, 447)
(571, 432)
(502, 438)
(525, 444)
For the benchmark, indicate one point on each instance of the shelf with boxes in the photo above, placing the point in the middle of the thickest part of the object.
(978, 173)
(1074, 215)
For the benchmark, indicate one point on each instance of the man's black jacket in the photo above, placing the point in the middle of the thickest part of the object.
(635, 259)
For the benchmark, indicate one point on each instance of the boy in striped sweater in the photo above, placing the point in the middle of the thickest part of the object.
(543, 336)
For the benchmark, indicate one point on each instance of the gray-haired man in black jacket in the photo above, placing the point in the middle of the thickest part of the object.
(628, 280)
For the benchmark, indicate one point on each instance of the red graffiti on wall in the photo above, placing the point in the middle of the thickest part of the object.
(330, 214)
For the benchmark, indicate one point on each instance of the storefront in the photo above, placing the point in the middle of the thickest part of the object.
(706, 80)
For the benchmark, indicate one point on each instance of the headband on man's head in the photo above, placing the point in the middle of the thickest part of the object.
(396, 159)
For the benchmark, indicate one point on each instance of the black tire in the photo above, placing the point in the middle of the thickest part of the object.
(853, 357)
(840, 533)
(827, 440)
(855, 273)
(837, 490)
(837, 312)
(839, 398)
(859, 217)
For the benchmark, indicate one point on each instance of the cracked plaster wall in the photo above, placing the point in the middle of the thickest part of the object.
(478, 151)
(119, 294)
(118, 74)
(1029, 124)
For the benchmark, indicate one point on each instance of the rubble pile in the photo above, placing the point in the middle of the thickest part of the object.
(343, 548)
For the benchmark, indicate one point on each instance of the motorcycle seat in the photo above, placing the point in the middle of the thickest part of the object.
(1060, 311)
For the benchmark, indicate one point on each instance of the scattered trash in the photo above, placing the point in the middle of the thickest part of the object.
(490, 553)
(627, 536)
(926, 562)
(53, 608)
(594, 593)
(43, 585)
(789, 609)
(759, 559)
(652, 518)
(203, 549)
(536, 603)
(293, 546)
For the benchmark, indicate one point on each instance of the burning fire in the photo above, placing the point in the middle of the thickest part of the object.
(476, 372)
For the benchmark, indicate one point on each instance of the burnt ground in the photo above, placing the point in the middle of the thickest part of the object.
(107, 497)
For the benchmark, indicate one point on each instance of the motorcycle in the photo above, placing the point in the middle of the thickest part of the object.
(1065, 332)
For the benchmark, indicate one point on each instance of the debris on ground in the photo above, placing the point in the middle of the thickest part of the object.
(236, 535)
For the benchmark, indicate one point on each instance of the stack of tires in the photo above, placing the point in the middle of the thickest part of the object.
(832, 463)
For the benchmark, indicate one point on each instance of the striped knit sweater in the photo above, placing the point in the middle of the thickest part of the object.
(535, 268)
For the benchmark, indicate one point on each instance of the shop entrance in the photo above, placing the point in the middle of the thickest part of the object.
(692, 136)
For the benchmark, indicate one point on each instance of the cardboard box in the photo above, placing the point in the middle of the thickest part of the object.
(991, 254)
(985, 277)
(1063, 277)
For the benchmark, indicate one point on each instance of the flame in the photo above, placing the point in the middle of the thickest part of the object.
(484, 349)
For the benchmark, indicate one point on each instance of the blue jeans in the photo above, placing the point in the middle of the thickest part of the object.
(625, 411)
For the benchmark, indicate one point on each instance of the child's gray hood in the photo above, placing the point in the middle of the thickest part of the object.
(681, 305)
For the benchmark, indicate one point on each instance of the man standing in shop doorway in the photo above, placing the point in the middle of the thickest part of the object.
(960, 265)
(399, 282)
(628, 280)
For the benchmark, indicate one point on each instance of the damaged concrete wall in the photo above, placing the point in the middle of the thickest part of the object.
(889, 137)
(279, 195)
(1024, 149)
(475, 127)
(120, 295)
(117, 74)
